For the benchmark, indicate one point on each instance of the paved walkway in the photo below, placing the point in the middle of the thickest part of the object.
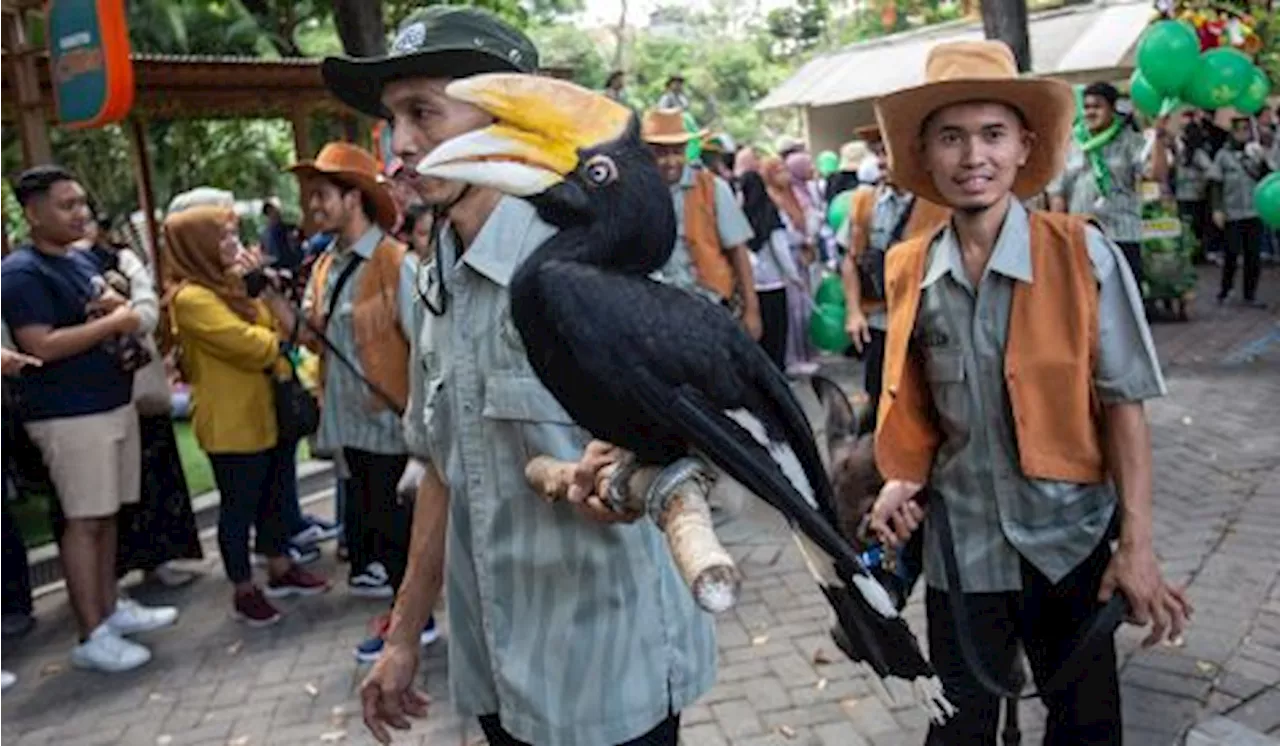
(1217, 457)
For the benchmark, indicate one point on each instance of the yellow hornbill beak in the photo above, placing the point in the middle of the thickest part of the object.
(542, 125)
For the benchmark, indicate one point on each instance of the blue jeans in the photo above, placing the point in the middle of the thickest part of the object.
(257, 489)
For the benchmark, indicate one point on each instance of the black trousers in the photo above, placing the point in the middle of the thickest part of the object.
(1132, 251)
(1045, 617)
(1199, 217)
(667, 733)
(773, 323)
(377, 522)
(253, 489)
(873, 376)
(1243, 237)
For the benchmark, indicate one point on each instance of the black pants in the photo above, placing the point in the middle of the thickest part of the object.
(1132, 251)
(1243, 237)
(773, 323)
(1046, 618)
(377, 522)
(1199, 217)
(873, 359)
(253, 488)
(666, 734)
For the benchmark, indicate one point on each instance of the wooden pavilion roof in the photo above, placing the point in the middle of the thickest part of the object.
(207, 87)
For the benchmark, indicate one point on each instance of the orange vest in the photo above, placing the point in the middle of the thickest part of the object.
(702, 233)
(1048, 365)
(926, 217)
(381, 346)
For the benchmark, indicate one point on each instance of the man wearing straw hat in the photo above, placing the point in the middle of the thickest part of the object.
(1016, 363)
(710, 256)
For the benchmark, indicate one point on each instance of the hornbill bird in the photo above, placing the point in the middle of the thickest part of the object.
(650, 368)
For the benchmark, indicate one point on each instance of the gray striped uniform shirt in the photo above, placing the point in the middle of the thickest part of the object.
(1120, 211)
(352, 416)
(1238, 172)
(997, 513)
(574, 632)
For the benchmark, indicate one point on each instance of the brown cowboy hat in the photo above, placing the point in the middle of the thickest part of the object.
(666, 127)
(353, 165)
(868, 134)
(963, 71)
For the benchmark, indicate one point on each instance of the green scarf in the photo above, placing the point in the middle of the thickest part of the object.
(1092, 145)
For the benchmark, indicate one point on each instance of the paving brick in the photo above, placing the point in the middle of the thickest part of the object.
(1169, 683)
(737, 718)
(703, 735)
(747, 669)
(871, 717)
(766, 694)
(1262, 713)
(839, 734)
(809, 716)
(1241, 687)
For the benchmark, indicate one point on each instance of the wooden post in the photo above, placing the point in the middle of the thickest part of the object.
(1006, 20)
(146, 194)
(32, 128)
(300, 121)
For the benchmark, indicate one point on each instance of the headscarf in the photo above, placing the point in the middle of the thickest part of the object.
(191, 240)
(777, 181)
(761, 213)
(745, 161)
(800, 166)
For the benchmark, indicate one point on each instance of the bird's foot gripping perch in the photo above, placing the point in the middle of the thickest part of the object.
(676, 498)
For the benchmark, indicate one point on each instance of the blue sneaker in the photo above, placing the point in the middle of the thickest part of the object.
(369, 650)
(317, 530)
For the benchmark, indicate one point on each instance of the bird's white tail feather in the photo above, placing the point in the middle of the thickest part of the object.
(779, 450)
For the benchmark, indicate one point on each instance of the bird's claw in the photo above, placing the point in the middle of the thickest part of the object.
(672, 476)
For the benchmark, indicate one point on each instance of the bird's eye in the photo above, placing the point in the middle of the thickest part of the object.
(600, 170)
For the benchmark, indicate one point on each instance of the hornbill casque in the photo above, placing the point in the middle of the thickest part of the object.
(653, 369)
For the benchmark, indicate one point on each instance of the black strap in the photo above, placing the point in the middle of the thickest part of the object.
(1101, 628)
(329, 346)
(901, 225)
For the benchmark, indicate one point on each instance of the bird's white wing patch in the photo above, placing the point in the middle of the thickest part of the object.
(780, 451)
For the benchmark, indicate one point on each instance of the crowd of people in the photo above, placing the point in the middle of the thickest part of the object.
(429, 422)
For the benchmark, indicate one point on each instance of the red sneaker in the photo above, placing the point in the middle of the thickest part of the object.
(296, 582)
(254, 609)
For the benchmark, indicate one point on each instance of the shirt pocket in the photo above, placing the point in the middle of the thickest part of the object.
(945, 371)
(532, 416)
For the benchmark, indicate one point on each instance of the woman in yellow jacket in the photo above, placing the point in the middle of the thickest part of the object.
(230, 349)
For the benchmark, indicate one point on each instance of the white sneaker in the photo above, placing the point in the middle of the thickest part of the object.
(7, 679)
(108, 652)
(131, 617)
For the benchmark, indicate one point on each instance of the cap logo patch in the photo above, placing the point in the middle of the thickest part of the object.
(410, 37)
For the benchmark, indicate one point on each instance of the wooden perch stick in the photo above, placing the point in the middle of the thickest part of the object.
(682, 514)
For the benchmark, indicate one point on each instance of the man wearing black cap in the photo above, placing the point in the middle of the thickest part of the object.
(567, 624)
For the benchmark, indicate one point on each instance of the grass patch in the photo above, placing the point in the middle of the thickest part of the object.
(31, 511)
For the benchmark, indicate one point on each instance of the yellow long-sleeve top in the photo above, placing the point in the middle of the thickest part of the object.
(226, 360)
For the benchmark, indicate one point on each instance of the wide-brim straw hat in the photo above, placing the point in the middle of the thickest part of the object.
(852, 154)
(977, 71)
(353, 165)
(666, 127)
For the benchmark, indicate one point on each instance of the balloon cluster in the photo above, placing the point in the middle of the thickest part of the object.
(1173, 68)
(826, 324)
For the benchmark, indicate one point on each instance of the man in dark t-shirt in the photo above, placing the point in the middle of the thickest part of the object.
(77, 407)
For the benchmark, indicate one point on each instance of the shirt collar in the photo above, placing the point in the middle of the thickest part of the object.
(1011, 256)
(496, 251)
(686, 177)
(364, 246)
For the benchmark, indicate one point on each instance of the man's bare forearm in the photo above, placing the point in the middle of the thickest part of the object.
(852, 283)
(424, 575)
(52, 345)
(746, 278)
(1129, 455)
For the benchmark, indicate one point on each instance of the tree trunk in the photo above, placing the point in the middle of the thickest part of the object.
(621, 33)
(1006, 20)
(360, 27)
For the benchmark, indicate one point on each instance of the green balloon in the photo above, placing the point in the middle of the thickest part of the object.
(692, 151)
(830, 291)
(1221, 76)
(828, 163)
(826, 328)
(1266, 200)
(1167, 56)
(838, 210)
(1254, 97)
(1145, 97)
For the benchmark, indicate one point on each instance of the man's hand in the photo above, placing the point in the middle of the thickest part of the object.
(751, 322)
(855, 325)
(387, 695)
(12, 362)
(1135, 572)
(109, 301)
(1220, 219)
(589, 484)
(895, 516)
(124, 320)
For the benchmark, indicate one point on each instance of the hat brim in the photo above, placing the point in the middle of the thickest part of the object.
(1048, 107)
(682, 138)
(358, 82)
(384, 205)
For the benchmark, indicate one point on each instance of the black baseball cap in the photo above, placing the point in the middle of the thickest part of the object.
(439, 41)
